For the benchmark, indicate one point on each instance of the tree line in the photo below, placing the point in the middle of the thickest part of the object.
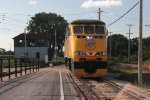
(5, 52)
(119, 48)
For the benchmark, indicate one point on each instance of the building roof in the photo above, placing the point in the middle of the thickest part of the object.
(87, 21)
(29, 36)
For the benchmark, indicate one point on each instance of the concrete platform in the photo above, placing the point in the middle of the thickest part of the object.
(47, 84)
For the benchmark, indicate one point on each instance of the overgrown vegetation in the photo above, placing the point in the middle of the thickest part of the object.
(129, 72)
(58, 61)
(5, 54)
(119, 48)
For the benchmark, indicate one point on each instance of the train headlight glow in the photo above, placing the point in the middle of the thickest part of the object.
(89, 37)
(76, 53)
(103, 53)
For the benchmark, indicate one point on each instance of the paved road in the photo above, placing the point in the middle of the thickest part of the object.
(48, 84)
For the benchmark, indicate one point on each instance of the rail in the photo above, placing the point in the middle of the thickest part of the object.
(132, 95)
(101, 89)
(84, 90)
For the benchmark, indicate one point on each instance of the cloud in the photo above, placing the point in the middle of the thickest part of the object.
(32, 2)
(101, 3)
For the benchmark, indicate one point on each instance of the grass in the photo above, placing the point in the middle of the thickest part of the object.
(130, 74)
(145, 85)
(60, 59)
(57, 61)
(121, 70)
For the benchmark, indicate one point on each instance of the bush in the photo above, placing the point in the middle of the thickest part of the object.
(147, 65)
(112, 61)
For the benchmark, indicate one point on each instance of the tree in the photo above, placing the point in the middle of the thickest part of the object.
(119, 45)
(146, 48)
(134, 46)
(48, 23)
(2, 51)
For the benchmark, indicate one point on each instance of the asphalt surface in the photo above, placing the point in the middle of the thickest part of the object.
(47, 84)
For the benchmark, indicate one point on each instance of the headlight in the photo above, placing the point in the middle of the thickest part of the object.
(78, 53)
(89, 37)
(101, 53)
(82, 53)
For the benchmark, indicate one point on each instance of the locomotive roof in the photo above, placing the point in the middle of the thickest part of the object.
(86, 21)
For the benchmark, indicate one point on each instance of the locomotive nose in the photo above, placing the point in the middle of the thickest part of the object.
(90, 68)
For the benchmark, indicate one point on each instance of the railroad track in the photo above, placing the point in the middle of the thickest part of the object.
(101, 89)
(125, 93)
(83, 89)
(112, 91)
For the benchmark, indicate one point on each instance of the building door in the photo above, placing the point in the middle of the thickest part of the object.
(38, 55)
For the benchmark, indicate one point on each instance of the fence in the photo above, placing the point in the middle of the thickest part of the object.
(9, 67)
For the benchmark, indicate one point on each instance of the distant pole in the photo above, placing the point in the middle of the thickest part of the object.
(110, 42)
(10, 51)
(25, 42)
(99, 13)
(55, 45)
(129, 44)
(140, 70)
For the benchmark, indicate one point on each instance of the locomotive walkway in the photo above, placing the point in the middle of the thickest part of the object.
(47, 84)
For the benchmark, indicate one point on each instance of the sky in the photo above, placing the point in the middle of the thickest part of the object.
(15, 14)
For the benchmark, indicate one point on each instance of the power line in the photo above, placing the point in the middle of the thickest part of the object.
(135, 19)
(123, 15)
(147, 26)
(119, 31)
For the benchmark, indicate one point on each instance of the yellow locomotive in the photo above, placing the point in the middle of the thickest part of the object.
(86, 48)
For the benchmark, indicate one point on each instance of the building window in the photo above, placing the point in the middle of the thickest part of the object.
(38, 55)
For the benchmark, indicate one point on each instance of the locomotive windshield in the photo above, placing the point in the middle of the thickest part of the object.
(78, 29)
(89, 29)
(99, 30)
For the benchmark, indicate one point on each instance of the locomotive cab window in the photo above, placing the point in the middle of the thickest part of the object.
(78, 29)
(88, 29)
(99, 30)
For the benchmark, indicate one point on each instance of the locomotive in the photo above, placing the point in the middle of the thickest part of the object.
(85, 48)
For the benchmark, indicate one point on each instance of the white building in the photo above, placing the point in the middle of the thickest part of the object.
(36, 46)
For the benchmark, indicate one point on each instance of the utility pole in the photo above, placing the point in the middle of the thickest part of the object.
(99, 13)
(140, 69)
(110, 42)
(10, 51)
(25, 43)
(55, 47)
(55, 43)
(129, 42)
